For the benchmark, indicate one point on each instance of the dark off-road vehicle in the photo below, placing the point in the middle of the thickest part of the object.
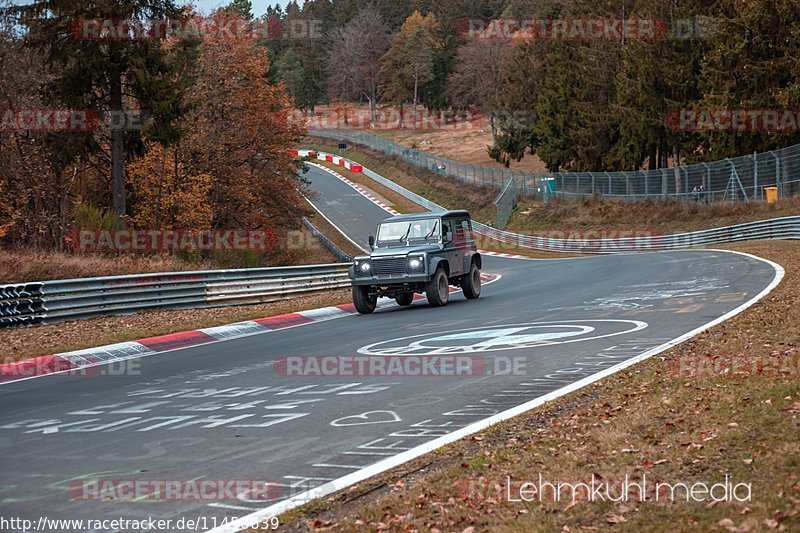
(418, 253)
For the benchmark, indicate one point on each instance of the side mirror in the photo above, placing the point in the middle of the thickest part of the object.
(448, 236)
(371, 242)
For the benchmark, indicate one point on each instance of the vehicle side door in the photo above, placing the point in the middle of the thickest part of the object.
(464, 242)
(452, 253)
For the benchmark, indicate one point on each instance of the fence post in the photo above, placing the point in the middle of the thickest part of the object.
(777, 172)
(609, 183)
(755, 176)
(685, 181)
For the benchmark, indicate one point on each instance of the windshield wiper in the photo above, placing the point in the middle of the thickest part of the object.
(430, 233)
(401, 239)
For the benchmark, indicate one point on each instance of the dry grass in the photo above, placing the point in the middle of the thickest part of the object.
(332, 233)
(16, 266)
(645, 420)
(467, 143)
(299, 248)
(56, 338)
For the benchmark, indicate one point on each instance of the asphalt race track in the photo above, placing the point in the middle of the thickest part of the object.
(223, 411)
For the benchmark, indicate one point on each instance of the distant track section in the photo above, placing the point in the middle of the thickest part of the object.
(773, 228)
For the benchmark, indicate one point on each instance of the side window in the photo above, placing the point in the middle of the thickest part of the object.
(447, 229)
(463, 235)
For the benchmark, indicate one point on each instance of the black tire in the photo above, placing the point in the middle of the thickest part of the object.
(437, 289)
(471, 283)
(404, 298)
(364, 302)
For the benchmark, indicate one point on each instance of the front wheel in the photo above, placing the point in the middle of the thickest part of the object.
(437, 289)
(471, 283)
(364, 301)
(404, 298)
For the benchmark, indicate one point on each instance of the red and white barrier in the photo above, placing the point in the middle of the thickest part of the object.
(341, 161)
(330, 158)
(303, 153)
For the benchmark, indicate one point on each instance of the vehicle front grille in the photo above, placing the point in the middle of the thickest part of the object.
(388, 266)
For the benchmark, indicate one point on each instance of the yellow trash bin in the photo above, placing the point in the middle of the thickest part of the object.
(772, 194)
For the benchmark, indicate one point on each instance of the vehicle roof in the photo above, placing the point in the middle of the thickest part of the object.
(458, 213)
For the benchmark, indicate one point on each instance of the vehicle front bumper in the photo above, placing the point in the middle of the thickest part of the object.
(390, 281)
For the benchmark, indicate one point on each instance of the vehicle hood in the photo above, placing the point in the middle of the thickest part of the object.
(404, 250)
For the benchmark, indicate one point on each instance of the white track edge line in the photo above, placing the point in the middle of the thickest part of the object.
(317, 209)
(497, 277)
(396, 460)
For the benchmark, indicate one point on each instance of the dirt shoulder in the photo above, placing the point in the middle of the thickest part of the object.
(654, 419)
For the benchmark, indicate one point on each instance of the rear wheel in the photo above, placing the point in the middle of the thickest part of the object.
(364, 301)
(437, 290)
(471, 283)
(404, 298)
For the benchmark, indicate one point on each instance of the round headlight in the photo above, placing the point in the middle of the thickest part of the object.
(364, 267)
(414, 263)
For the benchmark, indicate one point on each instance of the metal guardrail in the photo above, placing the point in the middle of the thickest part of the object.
(326, 242)
(776, 228)
(73, 299)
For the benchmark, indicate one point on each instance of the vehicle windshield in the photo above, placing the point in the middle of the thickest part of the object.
(428, 229)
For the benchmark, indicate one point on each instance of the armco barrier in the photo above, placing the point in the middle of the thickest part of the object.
(326, 242)
(775, 228)
(72, 299)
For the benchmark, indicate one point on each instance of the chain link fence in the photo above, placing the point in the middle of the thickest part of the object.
(739, 179)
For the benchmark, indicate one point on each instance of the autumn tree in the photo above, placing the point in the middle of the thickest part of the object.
(240, 134)
(408, 64)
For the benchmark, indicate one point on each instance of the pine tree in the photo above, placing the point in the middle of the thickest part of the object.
(101, 74)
